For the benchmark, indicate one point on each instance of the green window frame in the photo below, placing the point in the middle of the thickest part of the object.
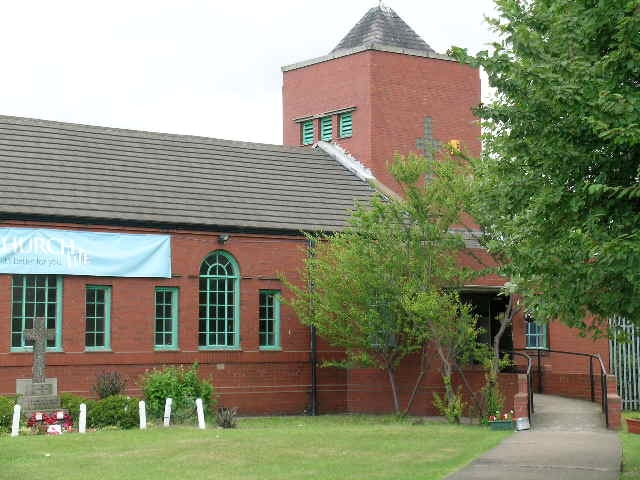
(346, 124)
(307, 132)
(35, 296)
(536, 335)
(97, 336)
(269, 317)
(166, 321)
(219, 325)
(326, 129)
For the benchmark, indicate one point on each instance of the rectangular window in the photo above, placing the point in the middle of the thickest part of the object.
(98, 318)
(35, 296)
(326, 129)
(307, 132)
(536, 335)
(166, 335)
(269, 319)
(346, 125)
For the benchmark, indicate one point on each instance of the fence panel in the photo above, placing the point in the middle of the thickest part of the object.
(625, 361)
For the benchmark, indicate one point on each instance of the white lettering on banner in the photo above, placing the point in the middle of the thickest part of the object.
(44, 246)
(71, 252)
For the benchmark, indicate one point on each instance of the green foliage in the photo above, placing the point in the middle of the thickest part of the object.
(450, 324)
(492, 398)
(226, 417)
(630, 450)
(180, 384)
(109, 383)
(6, 413)
(114, 411)
(450, 406)
(71, 402)
(365, 277)
(559, 181)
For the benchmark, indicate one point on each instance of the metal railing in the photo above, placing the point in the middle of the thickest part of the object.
(592, 356)
(625, 361)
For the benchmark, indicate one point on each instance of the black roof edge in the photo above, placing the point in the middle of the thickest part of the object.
(92, 221)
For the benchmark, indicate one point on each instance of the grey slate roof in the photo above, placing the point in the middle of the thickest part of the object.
(105, 174)
(382, 26)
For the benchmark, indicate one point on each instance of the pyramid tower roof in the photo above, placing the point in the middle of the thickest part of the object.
(383, 27)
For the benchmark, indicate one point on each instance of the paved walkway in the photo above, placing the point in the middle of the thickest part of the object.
(568, 442)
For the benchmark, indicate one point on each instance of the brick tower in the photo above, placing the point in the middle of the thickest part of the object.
(382, 90)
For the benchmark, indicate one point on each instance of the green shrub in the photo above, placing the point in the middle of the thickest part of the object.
(114, 411)
(183, 386)
(6, 413)
(109, 383)
(71, 402)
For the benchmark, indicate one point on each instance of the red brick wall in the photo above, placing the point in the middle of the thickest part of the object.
(404, 90)
(341, 83)
(256, 381)
(369, 390)
(393, 93)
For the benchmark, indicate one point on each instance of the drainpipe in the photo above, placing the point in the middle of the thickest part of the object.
(314, 371)
(313, 354)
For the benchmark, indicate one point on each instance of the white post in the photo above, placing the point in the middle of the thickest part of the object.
(167, 411)
(15, 423)
(200, 410)
(142, 409)
(82, 421)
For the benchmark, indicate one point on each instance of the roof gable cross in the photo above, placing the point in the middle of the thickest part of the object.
(427, 144)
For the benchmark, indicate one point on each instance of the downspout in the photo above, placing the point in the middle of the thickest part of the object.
(314, 371)
(313, 354)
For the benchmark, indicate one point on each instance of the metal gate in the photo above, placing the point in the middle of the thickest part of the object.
(625, 361)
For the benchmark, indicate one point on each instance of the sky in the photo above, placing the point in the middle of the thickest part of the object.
(210, 68)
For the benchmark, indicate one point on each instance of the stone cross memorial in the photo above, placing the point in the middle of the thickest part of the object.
(39, 393)
(39, 334)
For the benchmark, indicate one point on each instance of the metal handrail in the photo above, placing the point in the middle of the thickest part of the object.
(604, 402)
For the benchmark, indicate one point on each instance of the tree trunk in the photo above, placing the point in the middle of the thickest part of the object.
(505, 321)
(394, 388)
(423, 369)
(474, 397)
(446, 374)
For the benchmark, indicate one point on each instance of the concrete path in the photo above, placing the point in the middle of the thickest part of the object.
(568, 442)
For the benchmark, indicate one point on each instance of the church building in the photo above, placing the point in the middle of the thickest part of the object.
(148, 249)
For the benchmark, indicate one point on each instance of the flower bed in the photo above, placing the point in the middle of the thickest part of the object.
(52, 423)
(501, 421)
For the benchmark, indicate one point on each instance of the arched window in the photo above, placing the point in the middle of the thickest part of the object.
(219, 302)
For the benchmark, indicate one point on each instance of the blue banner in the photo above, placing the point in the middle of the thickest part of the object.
(70, 252)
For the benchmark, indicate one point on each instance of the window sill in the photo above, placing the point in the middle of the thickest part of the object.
(30, 350)
(270, 349)
(157, 348)
(97, 350)
(220, 348)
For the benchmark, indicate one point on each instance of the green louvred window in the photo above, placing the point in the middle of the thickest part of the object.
(308, 132)
(346, 125)
(326, 129)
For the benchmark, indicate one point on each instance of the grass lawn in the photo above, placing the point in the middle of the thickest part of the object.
(631, 452)
(325, 447)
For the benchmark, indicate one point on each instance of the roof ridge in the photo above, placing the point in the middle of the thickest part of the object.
(78, 127)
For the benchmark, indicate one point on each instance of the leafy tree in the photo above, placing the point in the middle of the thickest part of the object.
(452, 331)
(559, 179)
(377, 288)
